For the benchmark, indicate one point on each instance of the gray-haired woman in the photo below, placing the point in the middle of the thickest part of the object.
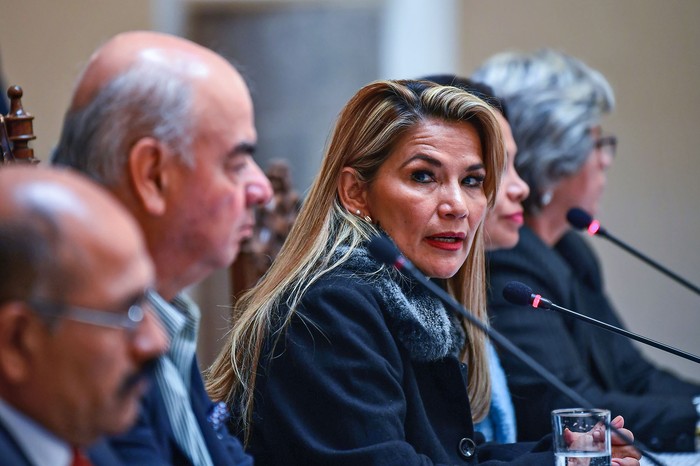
(556, 104)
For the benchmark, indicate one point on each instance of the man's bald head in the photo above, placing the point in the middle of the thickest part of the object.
(74, 263)
(169, 53)
(141, 84)
(48, 219)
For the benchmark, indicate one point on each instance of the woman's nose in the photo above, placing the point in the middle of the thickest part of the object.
(517, 189)
(453, 202)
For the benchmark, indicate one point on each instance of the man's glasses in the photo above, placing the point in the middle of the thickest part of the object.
(608, 144)
(128, 320)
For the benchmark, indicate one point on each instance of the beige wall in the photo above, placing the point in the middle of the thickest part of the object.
(648, 49)
(45, 43)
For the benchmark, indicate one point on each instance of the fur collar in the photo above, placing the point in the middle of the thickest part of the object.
(417, 319)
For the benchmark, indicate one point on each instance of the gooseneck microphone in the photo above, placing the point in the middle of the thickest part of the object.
(521, 294)
(582, 220)
(384, 250)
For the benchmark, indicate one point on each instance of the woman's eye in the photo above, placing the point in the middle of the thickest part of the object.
(474, 180)
(422, 176)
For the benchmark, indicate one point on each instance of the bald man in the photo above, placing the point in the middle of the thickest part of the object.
(77, 333)
(167, 126)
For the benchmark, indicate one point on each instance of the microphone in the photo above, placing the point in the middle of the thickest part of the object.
(384, 250)
(521, 294)
(580, 219)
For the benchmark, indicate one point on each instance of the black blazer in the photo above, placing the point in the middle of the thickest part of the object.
(344, 389)
(603, 367)
(151, 442)
(12, 455)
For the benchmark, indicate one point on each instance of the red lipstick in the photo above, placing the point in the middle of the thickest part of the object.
(448, 241)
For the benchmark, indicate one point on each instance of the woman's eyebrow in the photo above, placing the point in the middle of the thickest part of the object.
(426, 158)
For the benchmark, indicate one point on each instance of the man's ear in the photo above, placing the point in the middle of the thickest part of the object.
(19, 334)
(149, 179)
(353, 192)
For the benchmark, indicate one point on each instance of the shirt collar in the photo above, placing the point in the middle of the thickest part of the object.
(180, 317)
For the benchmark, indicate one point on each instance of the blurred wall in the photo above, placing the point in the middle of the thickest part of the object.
(45, 44)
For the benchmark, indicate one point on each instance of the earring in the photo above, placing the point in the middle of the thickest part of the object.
(358, 213)
(546, 197)
(368, 219)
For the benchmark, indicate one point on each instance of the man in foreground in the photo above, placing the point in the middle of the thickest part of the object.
(77, 334)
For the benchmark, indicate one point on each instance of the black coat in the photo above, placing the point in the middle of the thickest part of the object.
(603, 367)
(365, 375)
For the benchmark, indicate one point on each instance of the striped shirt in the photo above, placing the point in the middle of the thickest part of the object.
(180, 319)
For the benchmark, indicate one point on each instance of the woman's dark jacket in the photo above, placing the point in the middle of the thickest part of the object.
(603, 367)
(366, 374)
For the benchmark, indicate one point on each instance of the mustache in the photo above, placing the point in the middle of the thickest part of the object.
(146, 373)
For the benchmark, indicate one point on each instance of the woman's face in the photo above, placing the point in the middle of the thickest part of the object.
(505, 219)
(585, 187)
(429, 196)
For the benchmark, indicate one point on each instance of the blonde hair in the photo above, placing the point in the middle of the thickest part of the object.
(365, 134)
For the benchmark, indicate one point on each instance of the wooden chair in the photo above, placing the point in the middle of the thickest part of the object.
(16, 131)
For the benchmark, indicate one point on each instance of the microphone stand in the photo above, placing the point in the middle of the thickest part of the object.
(580, 219)
(547, 304)
(650, 261)
(378, 247)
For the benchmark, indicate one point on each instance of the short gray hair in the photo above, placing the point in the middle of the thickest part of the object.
(147, 100)
(553, 101)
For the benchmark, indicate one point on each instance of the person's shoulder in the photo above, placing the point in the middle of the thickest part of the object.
(337, 292)
(531, 255)
(578, 253)
(573, 246)
(349, 294)
(354, 278)
(528, 249)
(531, 262)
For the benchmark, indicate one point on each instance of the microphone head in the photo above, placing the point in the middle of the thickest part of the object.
(518, 293)
(579, 218)
(384, 250)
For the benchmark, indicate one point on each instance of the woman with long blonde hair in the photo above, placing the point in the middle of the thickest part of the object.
(336, 359)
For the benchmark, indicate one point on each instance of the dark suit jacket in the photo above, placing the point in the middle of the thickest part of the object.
(12, 455)
(342, 389)
(151, 442)
(603, 367)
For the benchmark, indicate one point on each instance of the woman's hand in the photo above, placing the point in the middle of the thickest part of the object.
(622, 453)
